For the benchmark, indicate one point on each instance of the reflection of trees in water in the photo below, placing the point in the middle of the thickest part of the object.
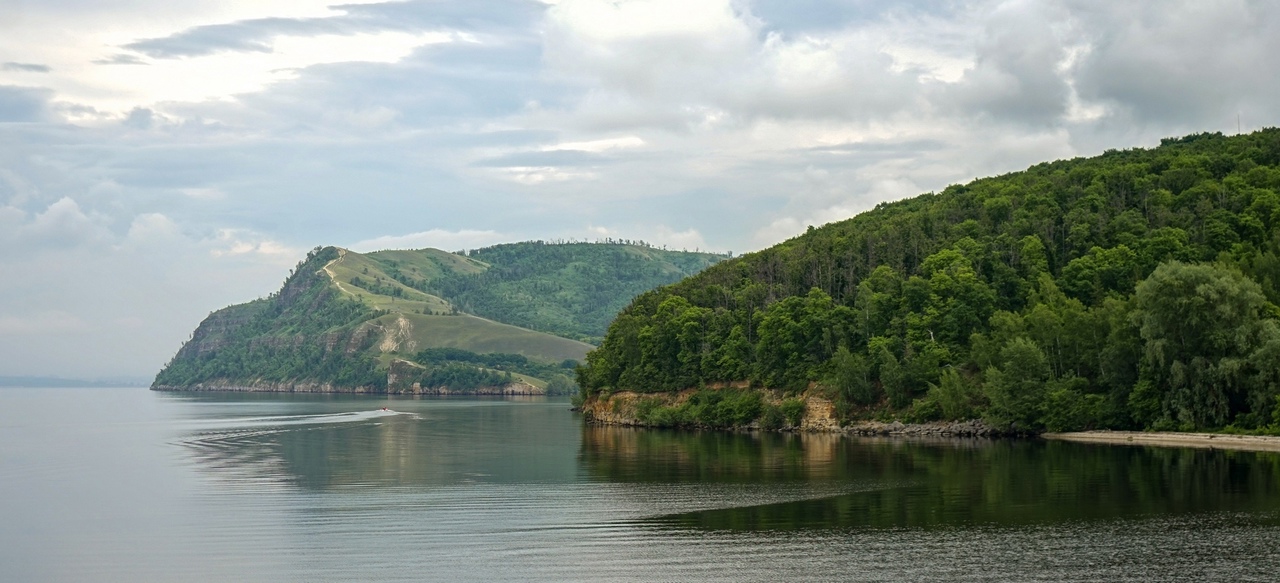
(941, 482)
(320, 455)
(447, 441)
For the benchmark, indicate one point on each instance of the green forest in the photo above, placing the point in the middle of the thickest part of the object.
(464, 370)
(1136, 289)
(571, 290)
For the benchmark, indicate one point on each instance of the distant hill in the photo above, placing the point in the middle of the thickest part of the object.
(390, 320)
(1136, 289)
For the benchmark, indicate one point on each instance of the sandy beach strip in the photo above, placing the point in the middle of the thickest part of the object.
(1170, 439)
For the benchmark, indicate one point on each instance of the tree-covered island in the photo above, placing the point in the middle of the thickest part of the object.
(1133, 290)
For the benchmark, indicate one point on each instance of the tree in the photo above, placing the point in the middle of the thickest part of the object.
(851, 377)
(1017, 387)
(1206, 344)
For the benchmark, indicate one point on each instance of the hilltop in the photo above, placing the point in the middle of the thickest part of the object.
(510, 318)
(1136, 289)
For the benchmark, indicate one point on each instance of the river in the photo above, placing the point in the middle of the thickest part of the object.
(127, 484)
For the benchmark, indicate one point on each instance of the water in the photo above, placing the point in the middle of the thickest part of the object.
(130, 485)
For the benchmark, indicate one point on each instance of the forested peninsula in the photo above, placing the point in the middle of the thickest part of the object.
(509, 319)
(1133, 290)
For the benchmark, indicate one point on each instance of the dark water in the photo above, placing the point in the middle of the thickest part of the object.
(130, 485)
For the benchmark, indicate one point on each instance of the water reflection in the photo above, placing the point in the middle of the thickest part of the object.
(323, 441)
(711, 480)
(933, 483)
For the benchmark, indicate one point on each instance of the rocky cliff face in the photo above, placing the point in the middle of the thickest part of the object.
(622, 408)
(219, 328)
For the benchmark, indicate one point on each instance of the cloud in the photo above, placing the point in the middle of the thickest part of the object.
(258, 130)
(1017, 74)
(151, 228)
(433, 238)
(63, 224)
(25, 67)
(244, 242)
(600, 145)
(82, 295)
(24, 104)
(244, 36)
(658, 235)
(1181, 62)
(121, 59)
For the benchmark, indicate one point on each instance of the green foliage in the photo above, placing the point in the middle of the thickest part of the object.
(1016, 387)
(1063, 296)
(320, 327)
(706, 408)
(955, 396)
(457, 376)
(851, 377)
(304, 333)
(490, 370)
(1068, 408)
(792, 410)
(568, 289)
(1207, 347)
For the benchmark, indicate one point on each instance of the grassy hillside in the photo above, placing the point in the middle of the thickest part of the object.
(410, 333)
(342, 317)
(572, 290)
(1133, 289)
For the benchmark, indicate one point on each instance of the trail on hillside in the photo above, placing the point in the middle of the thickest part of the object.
(342, 254)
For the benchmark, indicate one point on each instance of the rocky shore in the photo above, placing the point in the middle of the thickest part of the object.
(970, 428)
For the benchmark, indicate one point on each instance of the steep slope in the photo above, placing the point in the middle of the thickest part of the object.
(568, 289)
(343, 319)
(1132, 289)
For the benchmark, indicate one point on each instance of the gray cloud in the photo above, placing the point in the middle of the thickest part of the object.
(120, 59)
(257, 35)
(1016, 75)
(557, 158)
(248, 36)
(24, 104)
(1183, 62)
(26, 67)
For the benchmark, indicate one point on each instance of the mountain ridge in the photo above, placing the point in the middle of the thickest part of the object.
(342, 317)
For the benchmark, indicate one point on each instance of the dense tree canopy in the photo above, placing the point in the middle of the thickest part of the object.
(1133, 289)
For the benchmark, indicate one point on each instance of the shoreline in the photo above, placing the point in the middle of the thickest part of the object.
(1171, 439)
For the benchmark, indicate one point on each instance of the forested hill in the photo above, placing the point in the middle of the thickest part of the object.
(570, 289)
(1133, 289)
(390, 320)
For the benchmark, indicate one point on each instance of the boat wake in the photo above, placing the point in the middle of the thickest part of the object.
(272, 421)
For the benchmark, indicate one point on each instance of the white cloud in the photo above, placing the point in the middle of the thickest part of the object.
(533, 175)
(151, 228)
(223, 75)
(601, 145)
(433, 238)
(69, 39)
(63, 224)
(657, 235)
(243, 242)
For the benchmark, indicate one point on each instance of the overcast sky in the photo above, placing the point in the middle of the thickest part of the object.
(161, 159)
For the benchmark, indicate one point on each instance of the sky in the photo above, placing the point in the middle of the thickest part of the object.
(160, 160)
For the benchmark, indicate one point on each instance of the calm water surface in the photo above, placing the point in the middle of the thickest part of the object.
(131, 485)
